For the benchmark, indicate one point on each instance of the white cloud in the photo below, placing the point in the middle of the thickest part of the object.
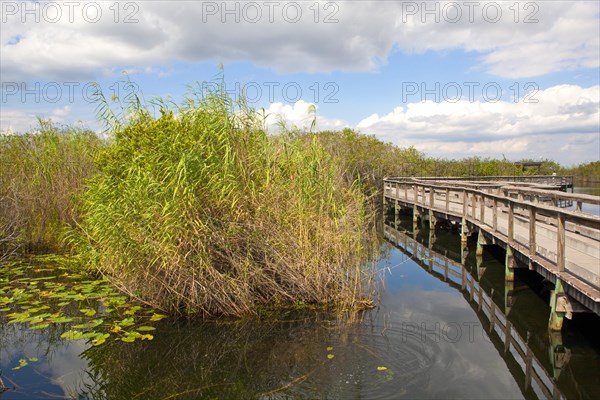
(564, 38)
(566, 117)
(298, 115)
(19, 121)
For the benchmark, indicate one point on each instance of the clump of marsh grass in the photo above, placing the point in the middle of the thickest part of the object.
(200, 211)
(40, 174)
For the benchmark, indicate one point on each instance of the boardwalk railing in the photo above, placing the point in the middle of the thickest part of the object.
(562, 245)
(562, 181)
(513, 347)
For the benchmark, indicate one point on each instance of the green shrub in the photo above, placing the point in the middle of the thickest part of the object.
(201, 212)
(41, 173)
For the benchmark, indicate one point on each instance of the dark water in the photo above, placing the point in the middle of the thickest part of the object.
(427, 339)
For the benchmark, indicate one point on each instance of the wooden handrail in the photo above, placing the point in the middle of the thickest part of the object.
(587, 199)
(516, 205)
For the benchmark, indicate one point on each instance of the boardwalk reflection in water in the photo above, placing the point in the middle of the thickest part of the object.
(514, 314)
(438, 334)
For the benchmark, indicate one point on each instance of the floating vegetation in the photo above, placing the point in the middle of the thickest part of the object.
(50, 291)
(23, 362)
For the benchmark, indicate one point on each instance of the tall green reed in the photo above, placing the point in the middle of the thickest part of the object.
(199, 211)
(40, 174)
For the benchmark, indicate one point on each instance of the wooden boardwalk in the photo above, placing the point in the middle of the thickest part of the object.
(524, 218)
(520, 358)
(564, 183)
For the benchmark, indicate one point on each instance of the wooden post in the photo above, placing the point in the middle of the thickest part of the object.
(509, 266)
(492, 312)
(560, 243)
(416, 194)
(509, 261)
(405, 192)
(511, 222)
(473, 205)
(482, 210)
(447, 200)
(481, 241)
(465, 199)
(432, 236)
(445, 270)
(556, 317)
(480, 267)
(559, 357)
(431, 197)
(471, 288)
(532, 240)
(432, 221)
(509, 288)
(415, 219)
(431, 261)
(579, 204)
(507, 336)
(495, 215)
(528, 365)
(397, 190)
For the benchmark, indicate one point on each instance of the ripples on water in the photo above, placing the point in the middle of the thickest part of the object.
(372, 362)
(414, 345)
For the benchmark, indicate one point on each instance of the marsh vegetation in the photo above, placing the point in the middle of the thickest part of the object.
(195, 209)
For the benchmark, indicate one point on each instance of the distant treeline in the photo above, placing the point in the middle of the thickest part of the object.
(369, 159)
(586, 172)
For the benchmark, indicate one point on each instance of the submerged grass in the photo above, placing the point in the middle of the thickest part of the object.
(200, 211)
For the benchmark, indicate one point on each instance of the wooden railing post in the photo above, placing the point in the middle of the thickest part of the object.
(509, 272)
(511, 222)
(431, 197)
(507, 336)
(495, 215)
(528, 364)
(447, 199)
(416, 194)
(560, 243)
(482, 209)
(532, 241)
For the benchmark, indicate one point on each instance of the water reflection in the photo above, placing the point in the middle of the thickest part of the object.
(545, 365)
(433, 335)
(56, 371)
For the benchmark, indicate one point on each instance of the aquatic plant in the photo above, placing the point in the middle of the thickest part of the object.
(50, 294)
(199, 211)
(40, 172)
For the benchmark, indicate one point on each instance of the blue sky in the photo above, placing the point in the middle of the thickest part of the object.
(452, 78)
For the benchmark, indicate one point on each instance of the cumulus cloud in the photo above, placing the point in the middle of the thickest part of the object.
(21, 121)
(299, 115)
(565, 117)
(320, 37)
